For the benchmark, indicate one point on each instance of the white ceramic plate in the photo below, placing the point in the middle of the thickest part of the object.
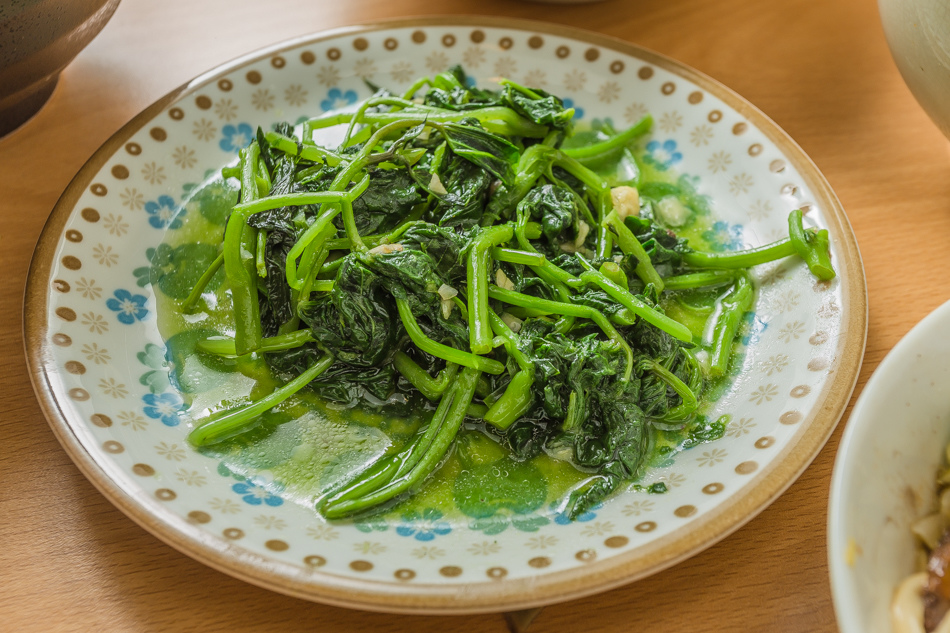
(98, 367)
(884, 476)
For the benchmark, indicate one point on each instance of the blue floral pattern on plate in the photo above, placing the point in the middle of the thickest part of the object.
(236, 137)
(154, 357)
(662, 155)
(131, 308)
(163, 213)
(424, 526)
(336, 99)
(164, 407)
(723, 236)
(256, 494)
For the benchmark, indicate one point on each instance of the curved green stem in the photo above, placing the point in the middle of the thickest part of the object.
(700, 280)
(615, 273)
(514, 256)
(431, 388)
(330, 268)
(811, 246)
(340, 181)
(446, 353)
(306, 150)
(495, 119)
(325, 121)
(311, 264)
(240, 244)
(601, 150)
(567, 309)
(375, 476)
(221, 426)
(189, 303)
(349, 224)
(259, 262)
(303, 198)
(391, 467)
(517, 397)
(636, 305)
(689, 403)
(734, 306)
(462, 397)
(632, 247)
(740, 259)
(416, 87)
(309, 239)
(226, 347)
(477, 273)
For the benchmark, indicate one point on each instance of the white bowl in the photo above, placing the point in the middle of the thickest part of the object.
(884, 474)
(918, 32)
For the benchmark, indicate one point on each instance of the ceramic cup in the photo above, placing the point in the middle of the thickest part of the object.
(39, 38)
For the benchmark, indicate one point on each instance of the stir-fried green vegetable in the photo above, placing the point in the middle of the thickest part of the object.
(451, 251)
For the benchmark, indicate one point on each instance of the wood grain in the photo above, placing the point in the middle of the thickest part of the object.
(69, 561)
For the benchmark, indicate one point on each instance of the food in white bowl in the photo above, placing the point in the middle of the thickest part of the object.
(922, 600)
(884, 477)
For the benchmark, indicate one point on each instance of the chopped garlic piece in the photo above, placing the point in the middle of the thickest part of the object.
(447, 305)
(513, 322)
(447, 292)
(626, 201)
(583, 228)
(568, 247)
(672, 211)
(436, 185)
(386, 249)
(502, 281)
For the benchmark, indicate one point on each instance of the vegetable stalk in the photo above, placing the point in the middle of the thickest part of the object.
(446, 353)
(477, 272)
(221, 426)
(636, 305)
(517, 398)
(567, 309)
(734, 306)
(431, 388)
(240, 244)
(461, 396)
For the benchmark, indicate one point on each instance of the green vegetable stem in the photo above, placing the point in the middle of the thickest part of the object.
(517, 398)
(460, 398)
(734, 306)
(477, 269)
(240, 243)
(221, 426)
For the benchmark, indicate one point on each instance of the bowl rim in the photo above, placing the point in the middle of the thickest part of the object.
(506, 595)
(843, 592)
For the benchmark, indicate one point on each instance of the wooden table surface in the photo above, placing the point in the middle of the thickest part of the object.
(70, 561)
